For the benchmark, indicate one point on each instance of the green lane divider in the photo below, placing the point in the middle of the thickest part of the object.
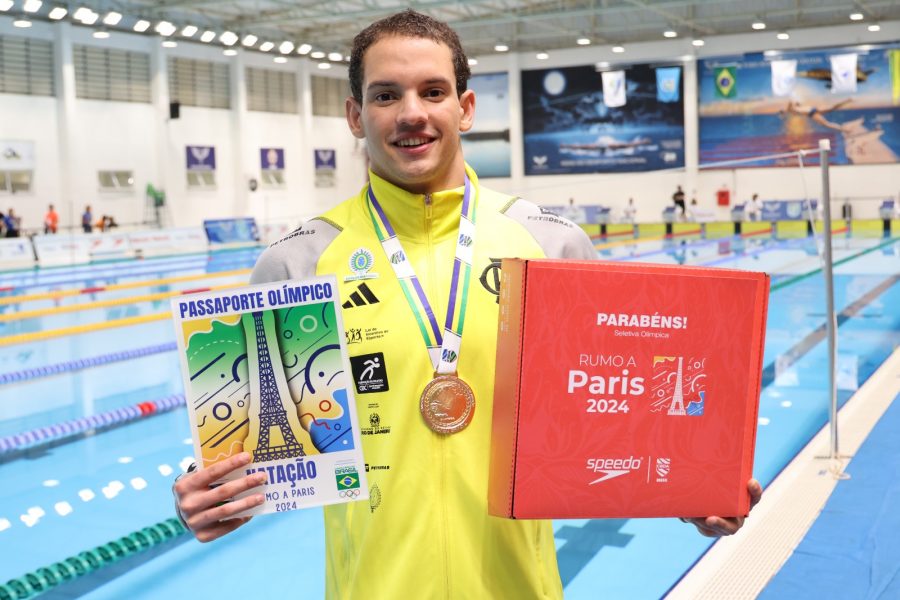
(46, 578)
(837, 263)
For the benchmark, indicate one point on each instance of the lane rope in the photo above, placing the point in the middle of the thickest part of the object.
(83, 363)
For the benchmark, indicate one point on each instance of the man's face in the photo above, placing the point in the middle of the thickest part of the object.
(411, 116)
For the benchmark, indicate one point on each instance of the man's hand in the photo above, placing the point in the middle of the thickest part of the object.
(202, 508)
(717, 526)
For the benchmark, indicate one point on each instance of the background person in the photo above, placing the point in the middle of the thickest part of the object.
(51, 220)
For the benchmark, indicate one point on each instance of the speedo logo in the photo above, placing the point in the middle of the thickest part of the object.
(612, 467)
(361, 297)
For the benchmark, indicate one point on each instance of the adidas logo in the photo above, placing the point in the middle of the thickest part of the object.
(363, 296)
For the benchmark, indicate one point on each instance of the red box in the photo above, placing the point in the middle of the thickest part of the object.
(588, 421)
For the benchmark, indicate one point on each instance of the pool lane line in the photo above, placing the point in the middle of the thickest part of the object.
(118, 286)
(83, 363)
(35, 336)
(836, 263)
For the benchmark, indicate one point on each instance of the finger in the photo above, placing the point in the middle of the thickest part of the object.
(231, 489)
(210, 517)
(724, 526)
(204, 477)
(216, 531)
(756, 491)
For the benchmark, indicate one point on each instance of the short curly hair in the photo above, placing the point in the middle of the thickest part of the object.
(407, 23)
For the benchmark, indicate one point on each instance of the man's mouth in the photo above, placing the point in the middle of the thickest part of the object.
(412, 142)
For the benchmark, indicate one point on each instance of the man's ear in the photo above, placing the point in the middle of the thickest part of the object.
(467, 110)
(354, 117)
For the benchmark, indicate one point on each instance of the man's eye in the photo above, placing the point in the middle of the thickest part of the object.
(434, 93)
(383, 97)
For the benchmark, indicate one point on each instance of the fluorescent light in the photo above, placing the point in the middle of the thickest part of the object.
(317, 54)
(280, 59)
(81, 13)
(618, 49)
(112, 18)
(874, 27)
(542, 56)
(101, 34)
(670, 34)
(698, 43)
(208, 36)
(473, 62)
(324, 65)
(142, 26)
(22, 23)
(249, 40)
(58, 12)
(229, 52)
(856, 16)
(335, 56)
(5, 5)
(583, 41)
(266, 46)
(165, 29)
(304, 49)
(32, 6)
(89, 17)
(501, 48)
(170, 44)
(783, 35)
(601, 65)
(286, 47)
(759, 26)
(229, 38)
(189, 30)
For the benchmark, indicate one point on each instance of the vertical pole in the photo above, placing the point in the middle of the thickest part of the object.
(830, 318)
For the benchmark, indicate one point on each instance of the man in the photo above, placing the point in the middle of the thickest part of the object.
(817, 114)
(51, 220)
(87, 220)
(12, 224)
(426, 532)
(678, 200)
(753, 209)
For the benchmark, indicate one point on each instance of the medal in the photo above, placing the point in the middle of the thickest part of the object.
(447, 404)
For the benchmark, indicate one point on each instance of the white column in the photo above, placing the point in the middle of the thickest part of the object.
(64, 79)
(516, 135)
(165, 176)
(238, 122)
(691, 130)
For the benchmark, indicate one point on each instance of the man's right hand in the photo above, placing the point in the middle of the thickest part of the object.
(205, 510)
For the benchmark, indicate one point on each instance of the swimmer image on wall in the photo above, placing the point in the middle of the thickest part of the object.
(266, 372)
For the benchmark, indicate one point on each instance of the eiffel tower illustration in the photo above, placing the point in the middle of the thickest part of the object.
(271, 410)
(677, 406)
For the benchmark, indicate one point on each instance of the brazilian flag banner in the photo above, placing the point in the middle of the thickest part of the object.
(726, 82)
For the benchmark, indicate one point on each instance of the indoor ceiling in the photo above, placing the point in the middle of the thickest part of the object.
(522, 25)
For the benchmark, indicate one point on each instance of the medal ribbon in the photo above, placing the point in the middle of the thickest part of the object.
(449, 340)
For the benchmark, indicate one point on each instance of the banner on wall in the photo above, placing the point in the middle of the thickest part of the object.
(326, 165)
(726, 82)
(668, 84)
(271, 159)
(16, 155)
(614, 88)
(201, 158)
(486, 146)
(894, 59)
(771, 112)
(569, 127)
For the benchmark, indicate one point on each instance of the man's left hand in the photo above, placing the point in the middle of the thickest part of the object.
(719, 526)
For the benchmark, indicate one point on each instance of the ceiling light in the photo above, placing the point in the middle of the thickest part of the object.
(286, 47)
(759, 26)
(58, 12)
(5, 5)
(618, 49)
(583, 41)
(501, 48)
(88, 17)
(170, 44)
(473, 62)
(81, 13)
(266, 46)
(783, 35)
(856, 16)
(280, 59)
(601, 65)
(32, 6)
(142, 26)
(542, 56)
(189, 30)
(165, 29)
(22, 23)
(698, 43)
(874, 27)
(229, 38)
(670, 34)
(208, 36)
(112, 18)
(101, 34)
(249, 40)
(317, 54)
(230, 52)
(304, 49)
(324, 65)
(335, 56)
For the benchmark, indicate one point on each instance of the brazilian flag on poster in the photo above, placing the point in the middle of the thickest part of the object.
(726, 82)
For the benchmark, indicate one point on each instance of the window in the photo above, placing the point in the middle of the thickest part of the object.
(26, 66)
(271, 91)
(15, 182)
(200, 180)
(116, 181)
(328, 95)
(199, 83)
(273, 178)
(109, 74)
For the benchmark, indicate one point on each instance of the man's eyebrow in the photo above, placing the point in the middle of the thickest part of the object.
(389, 84)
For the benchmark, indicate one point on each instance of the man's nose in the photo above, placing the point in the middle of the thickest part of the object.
(412, 110)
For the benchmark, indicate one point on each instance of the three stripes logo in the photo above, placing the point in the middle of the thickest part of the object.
(363, 296)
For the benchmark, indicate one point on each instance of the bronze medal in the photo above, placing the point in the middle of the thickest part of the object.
(447, 404)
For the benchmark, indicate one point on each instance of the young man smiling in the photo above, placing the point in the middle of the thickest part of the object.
(432, 237)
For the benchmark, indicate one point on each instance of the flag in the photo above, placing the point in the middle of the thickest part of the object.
(784, 75)
(843, 73)
(894, 60)
(668, 84)
(613, 88)
(726, 82)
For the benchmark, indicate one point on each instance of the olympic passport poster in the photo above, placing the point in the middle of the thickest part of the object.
(266, 371)
(637, 397)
